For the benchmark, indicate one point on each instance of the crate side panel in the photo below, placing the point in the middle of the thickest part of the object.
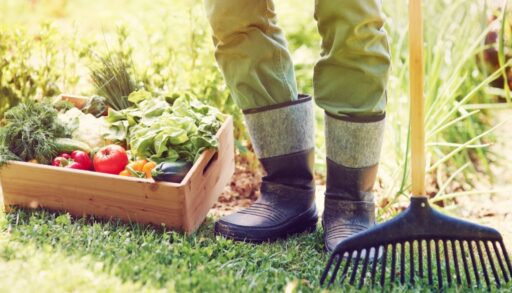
(81, 193)
(205, 186)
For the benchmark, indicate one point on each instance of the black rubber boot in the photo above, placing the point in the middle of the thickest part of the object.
(353, 151)
(283, 139)
(349, 206)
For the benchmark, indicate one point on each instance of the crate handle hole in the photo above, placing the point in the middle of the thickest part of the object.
(212, 160)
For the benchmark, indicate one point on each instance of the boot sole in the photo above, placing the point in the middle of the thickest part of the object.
(372, 256)
(304, 222)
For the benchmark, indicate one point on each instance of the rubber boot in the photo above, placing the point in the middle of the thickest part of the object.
(283, 140)
(353, 148)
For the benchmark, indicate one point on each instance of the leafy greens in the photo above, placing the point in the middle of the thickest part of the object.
(29, 133)
(165, 128)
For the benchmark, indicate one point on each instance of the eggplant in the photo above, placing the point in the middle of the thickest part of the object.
(171, 171)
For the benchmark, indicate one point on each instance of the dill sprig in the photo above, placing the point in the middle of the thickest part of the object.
(29, 133)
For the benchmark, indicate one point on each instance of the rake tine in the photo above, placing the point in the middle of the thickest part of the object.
(447, 262)
(365, 266)
(465, 262)
(393, 262)
(500, 262)
(438, 265)
(472, 255)
(327, 268)
(507, 260)
(356, 264)
(383, 267)
(456, 262)
(336, 268)
(345, 269)
(429, 263)
(374, 265)
(484, 266)
(411, 261)
(402, 263)
(420, 258)
(493, 267)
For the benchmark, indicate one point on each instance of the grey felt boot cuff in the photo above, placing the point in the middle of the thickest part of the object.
(354, 143)
(282, 129)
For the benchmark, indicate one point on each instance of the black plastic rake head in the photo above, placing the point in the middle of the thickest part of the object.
(416, 241)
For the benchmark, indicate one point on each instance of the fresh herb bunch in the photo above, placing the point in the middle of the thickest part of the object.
(112, 79)
(29, 133)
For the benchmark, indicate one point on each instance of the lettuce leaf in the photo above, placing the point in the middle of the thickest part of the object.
(163, 129)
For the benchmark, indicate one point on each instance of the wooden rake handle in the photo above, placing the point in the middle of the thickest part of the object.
(417, 102)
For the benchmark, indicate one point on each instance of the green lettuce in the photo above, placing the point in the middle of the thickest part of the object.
(165, 128)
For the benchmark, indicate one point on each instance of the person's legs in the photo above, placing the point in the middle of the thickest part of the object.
(253, 56)
(252, 52)
(350, 78)
(349, 82)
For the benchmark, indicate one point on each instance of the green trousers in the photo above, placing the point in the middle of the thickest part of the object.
(350, 77)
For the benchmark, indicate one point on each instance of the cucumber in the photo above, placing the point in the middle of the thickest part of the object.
(67, 145)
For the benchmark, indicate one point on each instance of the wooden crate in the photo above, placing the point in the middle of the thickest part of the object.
(179, 206)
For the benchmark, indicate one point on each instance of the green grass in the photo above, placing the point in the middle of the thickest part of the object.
(51, 252)
(138, 255)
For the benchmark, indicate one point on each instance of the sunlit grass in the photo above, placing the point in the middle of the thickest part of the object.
(47, 251)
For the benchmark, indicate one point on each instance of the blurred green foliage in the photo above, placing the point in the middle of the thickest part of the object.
(27, 65)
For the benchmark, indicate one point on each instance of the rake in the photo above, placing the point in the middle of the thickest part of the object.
(465, 252)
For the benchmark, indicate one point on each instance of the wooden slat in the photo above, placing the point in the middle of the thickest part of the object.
(133, 192)
(78, 101)
(172, 218)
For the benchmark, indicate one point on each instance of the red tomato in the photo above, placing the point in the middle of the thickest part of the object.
(83, 159)
(111, 159)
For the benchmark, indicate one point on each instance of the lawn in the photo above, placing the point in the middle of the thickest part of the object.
(170, 44)
(47, 252)
(132, 257)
